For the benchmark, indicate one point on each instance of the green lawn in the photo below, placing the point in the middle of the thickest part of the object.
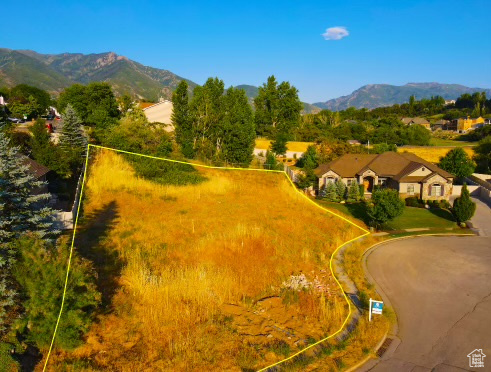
(449, 142)
(411, 218)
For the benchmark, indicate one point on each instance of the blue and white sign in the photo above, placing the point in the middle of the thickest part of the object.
(376, 307)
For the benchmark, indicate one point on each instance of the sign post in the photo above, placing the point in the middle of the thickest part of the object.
(376, 307)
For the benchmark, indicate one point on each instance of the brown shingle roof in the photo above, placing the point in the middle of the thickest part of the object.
(347, 165)
(36, 169)
(388, 164)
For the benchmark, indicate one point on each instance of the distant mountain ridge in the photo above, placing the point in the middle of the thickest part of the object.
(380, 95)
(54, 72)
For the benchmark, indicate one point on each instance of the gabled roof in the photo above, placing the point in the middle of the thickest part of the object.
(388, 164)
(347, 165)
(416, 120)
(36, 169)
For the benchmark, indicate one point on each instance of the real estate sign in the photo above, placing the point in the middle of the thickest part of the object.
(376, 307)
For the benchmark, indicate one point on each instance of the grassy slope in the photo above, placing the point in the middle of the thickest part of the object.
(194, 260)
(449, 142)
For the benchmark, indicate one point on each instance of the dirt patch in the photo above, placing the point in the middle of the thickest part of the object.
(286, 317)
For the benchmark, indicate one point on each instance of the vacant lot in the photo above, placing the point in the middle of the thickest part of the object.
(228, 273)
(432, 153)
(264, 144)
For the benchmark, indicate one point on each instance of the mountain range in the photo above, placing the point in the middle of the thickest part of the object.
(54, 72)
(379, 95)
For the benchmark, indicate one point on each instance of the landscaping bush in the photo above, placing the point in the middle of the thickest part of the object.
(463, 207)
(414, 201)
(384, 206)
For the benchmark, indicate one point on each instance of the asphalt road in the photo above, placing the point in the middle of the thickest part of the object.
(440, 288)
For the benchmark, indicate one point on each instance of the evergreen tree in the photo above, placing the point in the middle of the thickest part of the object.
(353, 192)
(271, 162)
(331, 192)
(40, 271)
(238, 128)
(340, 189)
(463, 207)
(181, 119)
(20, 211)
(72, 138)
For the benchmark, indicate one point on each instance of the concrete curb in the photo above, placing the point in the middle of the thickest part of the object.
(395, 328)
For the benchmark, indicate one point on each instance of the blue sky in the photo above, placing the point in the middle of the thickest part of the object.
(243, 42)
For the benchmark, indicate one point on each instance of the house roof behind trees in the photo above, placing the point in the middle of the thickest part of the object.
(395, 165)
(36, 169)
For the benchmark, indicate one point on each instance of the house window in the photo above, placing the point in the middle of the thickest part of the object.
(423, 169)
(349, 182)
(410, 189)
(329, 180)
(436, 190)
(382, 182)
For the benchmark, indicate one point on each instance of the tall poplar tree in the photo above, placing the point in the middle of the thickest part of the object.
(277, 111)
(237, 128)
(181, 119)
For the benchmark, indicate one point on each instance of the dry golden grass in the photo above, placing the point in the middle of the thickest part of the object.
(292, 146)
(433, 153)
(188, 252)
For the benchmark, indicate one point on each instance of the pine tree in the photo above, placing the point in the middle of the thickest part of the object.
(21, 211)
(331, 192)
(340, 189)
(181, 119)
(463, 207)
(72, 138)
(354, 192)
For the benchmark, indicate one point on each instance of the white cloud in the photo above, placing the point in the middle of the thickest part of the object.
(335, 33)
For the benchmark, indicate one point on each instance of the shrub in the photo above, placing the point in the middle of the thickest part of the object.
(413, 201)
(41, 272)
(463, 207)
(384, 206)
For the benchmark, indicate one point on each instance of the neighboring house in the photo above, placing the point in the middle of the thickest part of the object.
(420, 121)
(449, 102)
(440, 124)
(39, 172)
(462, 125)
(2, 101)
(405, 172)
(354, 142)
(160, 113)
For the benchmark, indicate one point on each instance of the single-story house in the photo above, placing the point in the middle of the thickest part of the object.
(353, 142)
(420, 121)
(405, 172)
(440, 124)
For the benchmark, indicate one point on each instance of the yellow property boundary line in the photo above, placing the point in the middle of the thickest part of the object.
(365, 233)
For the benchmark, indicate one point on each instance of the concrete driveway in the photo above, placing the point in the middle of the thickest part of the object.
(440, 289)
(482, 218)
